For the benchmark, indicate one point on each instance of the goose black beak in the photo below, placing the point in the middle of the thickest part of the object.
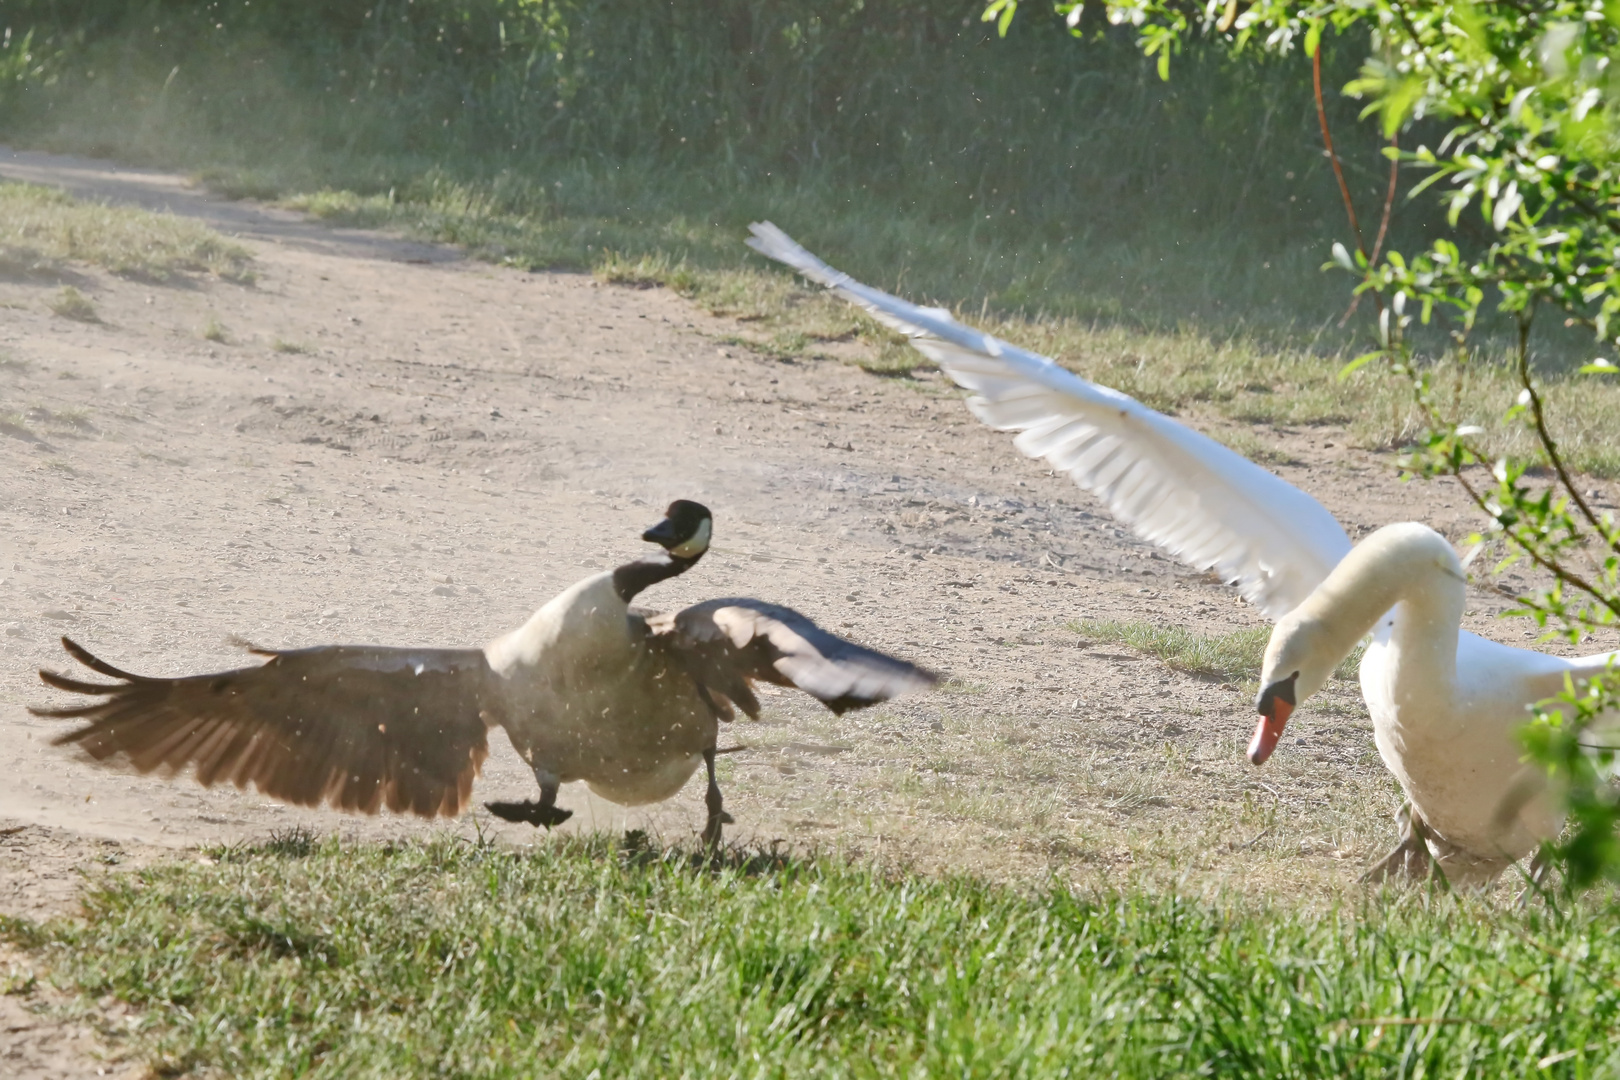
(662, 534)
(1276, 705)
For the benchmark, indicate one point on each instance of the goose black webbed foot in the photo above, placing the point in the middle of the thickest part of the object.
(535, 813)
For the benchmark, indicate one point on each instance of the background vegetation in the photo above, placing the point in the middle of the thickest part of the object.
(1036, 174)
(1165, 238)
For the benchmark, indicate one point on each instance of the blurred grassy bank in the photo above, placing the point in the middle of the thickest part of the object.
(1163, 238)
(1037, 174)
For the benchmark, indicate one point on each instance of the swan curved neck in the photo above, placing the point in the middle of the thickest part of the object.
(632, 577)
(1410, 566)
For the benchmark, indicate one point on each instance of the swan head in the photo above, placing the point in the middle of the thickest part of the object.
(685, 530)
(1298, 663)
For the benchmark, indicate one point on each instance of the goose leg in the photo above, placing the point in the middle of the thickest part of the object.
(542, 814)
(1411, 858)
(715, 804)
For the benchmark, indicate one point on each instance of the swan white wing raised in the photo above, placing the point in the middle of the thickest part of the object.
(1209, 507)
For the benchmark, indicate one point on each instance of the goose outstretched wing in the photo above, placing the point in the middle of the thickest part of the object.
(724, 644)
(357, 727)
(1207, 506)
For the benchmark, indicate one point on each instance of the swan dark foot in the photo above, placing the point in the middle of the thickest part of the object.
(712, 829)
(1539, 867)
(531, 811)
(1410, 859)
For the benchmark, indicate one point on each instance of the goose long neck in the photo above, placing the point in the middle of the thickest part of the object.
(1409, 565)
(631, 578)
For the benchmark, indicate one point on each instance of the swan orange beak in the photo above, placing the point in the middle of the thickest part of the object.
(1276, 705)
(1269, 730)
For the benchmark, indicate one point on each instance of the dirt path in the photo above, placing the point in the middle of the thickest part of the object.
(397, 445)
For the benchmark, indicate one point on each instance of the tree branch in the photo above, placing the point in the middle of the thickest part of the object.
(1546, 438)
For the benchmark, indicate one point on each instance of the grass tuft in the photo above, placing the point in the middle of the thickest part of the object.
(1234, 657)
(444, 957)
(214, 330)
(1252, 446)
(297, 842)
(43, 228)
(70, 303)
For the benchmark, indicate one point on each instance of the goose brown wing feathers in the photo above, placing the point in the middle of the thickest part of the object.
(356, 727)
(725, 644)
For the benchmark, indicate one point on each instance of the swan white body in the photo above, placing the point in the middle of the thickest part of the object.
(1445, 703)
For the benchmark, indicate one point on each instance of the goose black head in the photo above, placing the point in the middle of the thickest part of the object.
(685, 530)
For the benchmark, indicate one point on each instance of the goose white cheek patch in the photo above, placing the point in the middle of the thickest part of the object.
(697, 545)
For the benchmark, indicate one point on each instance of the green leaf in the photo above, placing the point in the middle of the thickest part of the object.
(1001, 13)
(1164, 65)
(1600, 366)
(1313, 37)
(1359, 362)
(1397, 103)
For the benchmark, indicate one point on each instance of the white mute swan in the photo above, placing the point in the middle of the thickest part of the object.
(588, 689)
(1445, 704)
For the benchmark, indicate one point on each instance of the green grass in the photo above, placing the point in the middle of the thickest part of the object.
(944, 159)
(1243, 377)
(43, 229)
(448, 958)
(1007, 180)
(1234, 657)
(70, 303)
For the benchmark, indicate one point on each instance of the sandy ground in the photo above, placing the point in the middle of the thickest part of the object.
(396, 445)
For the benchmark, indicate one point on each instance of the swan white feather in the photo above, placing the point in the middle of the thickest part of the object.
(1182, 491)
(1446, 704)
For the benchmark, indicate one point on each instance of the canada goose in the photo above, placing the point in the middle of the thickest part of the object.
(1445, 703)
(588, 689)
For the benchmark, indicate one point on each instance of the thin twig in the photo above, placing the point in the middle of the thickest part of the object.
(1333, 157)
(1389, 196)
(1338, 174)
(1546, 436)
(1553, 568)
(1383, 221)
(1558, 955)
(1417, 1021)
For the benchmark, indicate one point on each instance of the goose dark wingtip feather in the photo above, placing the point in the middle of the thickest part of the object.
(95, 663)
(307, 728)
(727, 642)
(76, 686)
